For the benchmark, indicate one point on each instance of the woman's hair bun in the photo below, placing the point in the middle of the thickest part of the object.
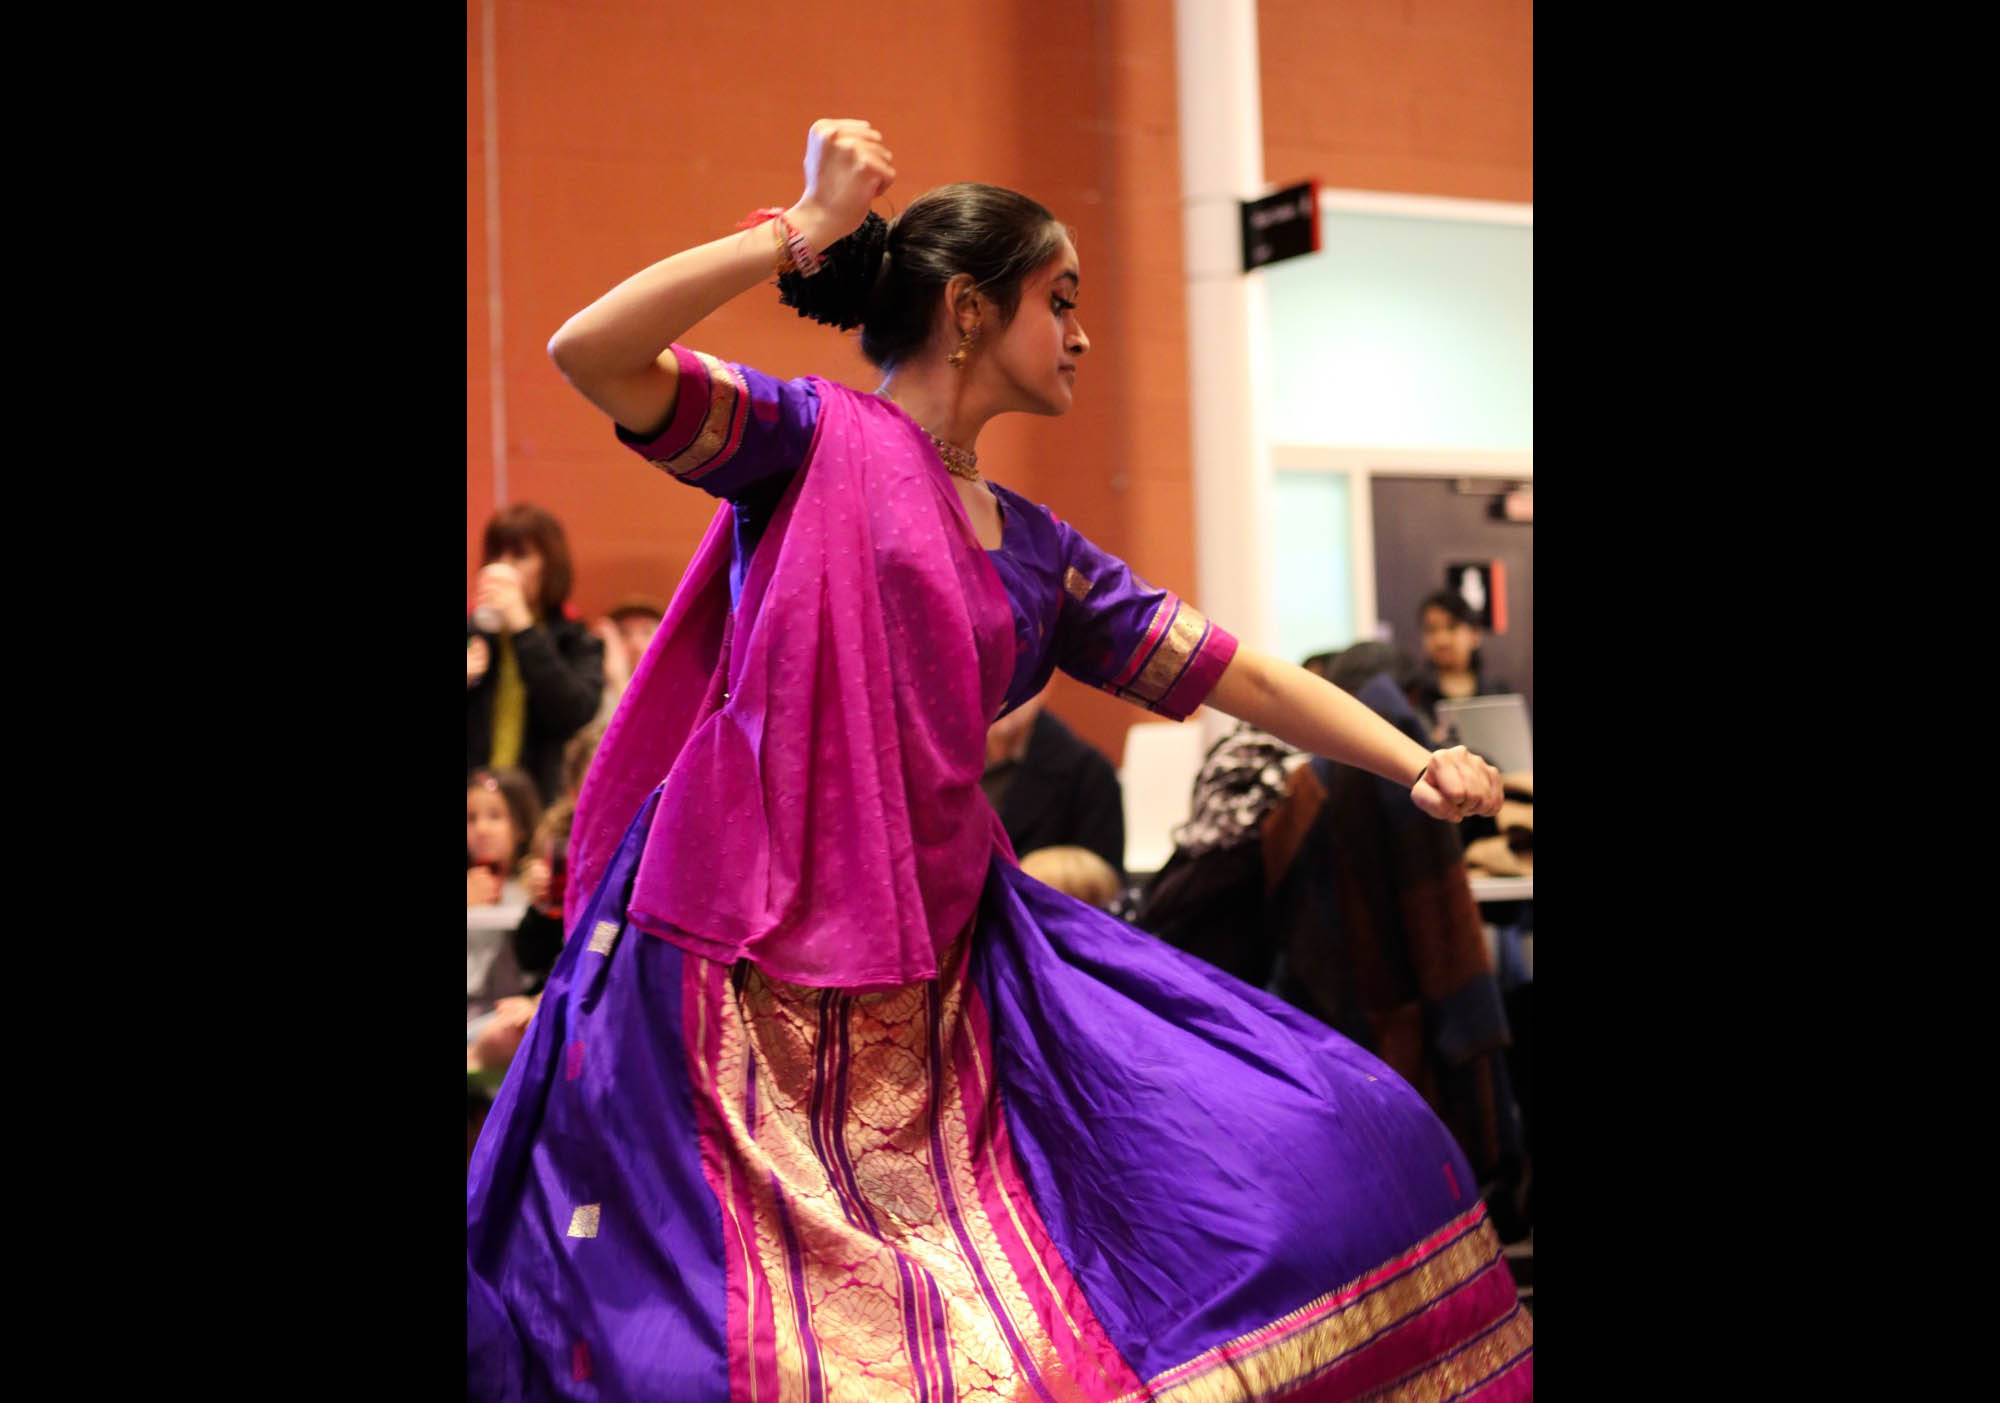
(838, 293)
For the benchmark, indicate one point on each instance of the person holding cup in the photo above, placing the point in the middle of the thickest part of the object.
(533, 675)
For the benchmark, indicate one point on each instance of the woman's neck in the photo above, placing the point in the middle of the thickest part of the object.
(938, 398)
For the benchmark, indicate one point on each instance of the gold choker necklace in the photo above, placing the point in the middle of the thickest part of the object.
(959, 462)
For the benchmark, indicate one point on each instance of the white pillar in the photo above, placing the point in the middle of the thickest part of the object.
(496, 299)
(1222, 162)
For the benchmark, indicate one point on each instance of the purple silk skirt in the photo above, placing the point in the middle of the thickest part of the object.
(1078, 1165)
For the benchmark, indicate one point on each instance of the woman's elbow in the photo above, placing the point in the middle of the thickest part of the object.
(566, 349)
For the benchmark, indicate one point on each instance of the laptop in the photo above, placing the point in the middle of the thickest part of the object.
(1494, 728)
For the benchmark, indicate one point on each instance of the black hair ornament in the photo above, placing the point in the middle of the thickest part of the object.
(837, 294)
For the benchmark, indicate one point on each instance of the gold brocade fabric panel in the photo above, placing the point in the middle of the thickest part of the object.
(884, 1275)
(868, 1261)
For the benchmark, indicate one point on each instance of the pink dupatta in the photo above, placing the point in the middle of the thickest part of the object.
(820, 752)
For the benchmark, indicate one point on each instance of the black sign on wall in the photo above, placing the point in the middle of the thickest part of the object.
(1281, 225)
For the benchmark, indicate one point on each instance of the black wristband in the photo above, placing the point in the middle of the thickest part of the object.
(1420, 775)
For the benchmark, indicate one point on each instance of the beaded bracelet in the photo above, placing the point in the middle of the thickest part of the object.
(803, 258)
(794, 253)
(751, 220)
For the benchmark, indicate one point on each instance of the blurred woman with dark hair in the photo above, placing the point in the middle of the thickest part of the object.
(533, 675)
(1452, 666)
(501, 811)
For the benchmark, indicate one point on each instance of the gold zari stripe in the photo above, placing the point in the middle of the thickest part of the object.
(1452, 1376)
(1175, 652)
(725, 390)
(1311, 1349)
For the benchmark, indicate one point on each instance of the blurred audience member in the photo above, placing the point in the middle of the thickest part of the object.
(1452, 666)
(501, 811)
(577, 755)
(1051, 788)
(1208, 898)
(533, 675)
(625, 631)
(491, 1041)
(538, 939)
(1511, 851)
(1074, 871)
(1352, 669)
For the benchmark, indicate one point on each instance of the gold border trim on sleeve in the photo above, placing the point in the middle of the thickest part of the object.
(726, 391)
(1176, 651)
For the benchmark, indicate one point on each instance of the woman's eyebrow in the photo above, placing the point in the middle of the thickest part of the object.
(1069, 273)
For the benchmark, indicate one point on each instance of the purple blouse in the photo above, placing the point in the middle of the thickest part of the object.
(741, 435)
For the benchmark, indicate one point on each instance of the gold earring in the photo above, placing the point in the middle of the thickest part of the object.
(956, 360)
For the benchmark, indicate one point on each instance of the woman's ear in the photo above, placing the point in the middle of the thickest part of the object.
(964, 307)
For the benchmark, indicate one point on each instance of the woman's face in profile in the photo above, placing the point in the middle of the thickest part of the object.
(1448, 642)
(1038, 352)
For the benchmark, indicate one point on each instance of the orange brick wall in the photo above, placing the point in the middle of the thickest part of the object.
(627, 132)
(1421, 97)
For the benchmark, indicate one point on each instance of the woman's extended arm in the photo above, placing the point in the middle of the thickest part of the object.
(1314, 715)
(615, 350)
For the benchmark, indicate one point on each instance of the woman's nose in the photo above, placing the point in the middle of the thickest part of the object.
(1079, 343)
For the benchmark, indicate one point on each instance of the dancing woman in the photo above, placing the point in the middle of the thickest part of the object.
(826, 1099)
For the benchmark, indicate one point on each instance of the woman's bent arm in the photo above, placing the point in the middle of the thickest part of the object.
(615, 350)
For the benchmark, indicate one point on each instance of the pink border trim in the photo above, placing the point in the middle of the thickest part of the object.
(738, 417)
(689, 409)
(1425, 1336)
(1156, 629)
(748, 1318)
(1394, 1267)
(1511, 1382)
(1211, 658)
